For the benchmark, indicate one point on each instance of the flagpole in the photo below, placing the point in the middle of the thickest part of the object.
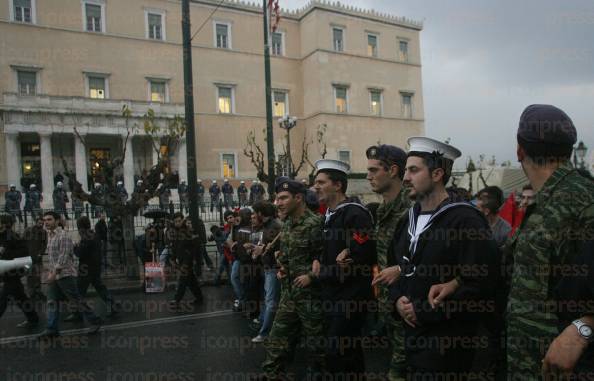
(269, 133)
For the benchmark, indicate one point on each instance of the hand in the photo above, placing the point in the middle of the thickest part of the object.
(302, 281)
(387, 276)
(281, 273)
(51, 277)
(564, 352)
(439, 292)
(248, 246)
(315, 268)
(257, 251)
(406, 310)
(343, 259)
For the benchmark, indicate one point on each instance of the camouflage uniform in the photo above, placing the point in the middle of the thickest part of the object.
(299, 311)
(551, 232)
(388, 215)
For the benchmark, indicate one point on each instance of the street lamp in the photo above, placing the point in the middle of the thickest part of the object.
(287, 123)
(579, 155)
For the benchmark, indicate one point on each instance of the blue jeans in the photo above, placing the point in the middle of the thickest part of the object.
(66, 289)
(236, 281)
(271, 296)
(223, 266)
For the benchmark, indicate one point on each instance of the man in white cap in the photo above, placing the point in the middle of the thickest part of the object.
(98, 195)
(242, 194)
(184, 196)
(13, 202)
(33, 200)
(121, 191)
(215, 192)
(200, 191)
(227, 190)
(60, 199)
(345, 270)
(449, 266)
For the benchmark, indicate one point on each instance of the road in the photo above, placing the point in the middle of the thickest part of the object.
(150, 342)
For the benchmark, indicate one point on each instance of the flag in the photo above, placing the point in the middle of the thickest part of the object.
(511, 213)
(273, 15)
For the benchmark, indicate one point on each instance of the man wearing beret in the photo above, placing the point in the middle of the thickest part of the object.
(346, 268)
(550, 314)
(299, 311)
(450, 267)
(385, 170)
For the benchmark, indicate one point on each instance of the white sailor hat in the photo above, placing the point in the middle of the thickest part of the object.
(335, 165)
(428, 145)
(242, 182)
(139, 182)
(214, 181)
(32, 186)
(198, 180)
(120, 183)
(226, 180)
(12, 186)
(59, 184)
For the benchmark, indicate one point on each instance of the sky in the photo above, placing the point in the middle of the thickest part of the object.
(484, 61)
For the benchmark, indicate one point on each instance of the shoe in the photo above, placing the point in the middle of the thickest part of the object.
(28, 324)
(258, 339)
(95, 327)
(236, 306)
(47, 334)
(256, 321)
(73, 318)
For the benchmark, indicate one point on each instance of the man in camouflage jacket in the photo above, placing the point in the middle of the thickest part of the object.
(299, 311)
(545, 295)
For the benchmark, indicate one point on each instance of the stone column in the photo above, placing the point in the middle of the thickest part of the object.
(81, 161)
(13, 162)
(155, 154)
(128, 165)
(47, 168)
(182, 160)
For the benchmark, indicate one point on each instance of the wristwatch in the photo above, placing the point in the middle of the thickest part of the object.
(584, 330)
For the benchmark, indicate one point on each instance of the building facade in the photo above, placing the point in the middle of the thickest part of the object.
(71, 65)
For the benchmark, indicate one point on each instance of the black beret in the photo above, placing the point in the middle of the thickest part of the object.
(291, 186)
(546, 124)
(388, 154)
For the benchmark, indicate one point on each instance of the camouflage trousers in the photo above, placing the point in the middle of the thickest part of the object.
(299, 316)
(395, 331)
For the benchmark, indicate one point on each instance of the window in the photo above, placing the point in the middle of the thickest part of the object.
(158, 91)
(222, 35)
(27, 82)
(376, 102)
(340, 95)
(229, 165)
(403, 51)
(337, 38)
(280, 108)
(97, 87)
(277, 44)
(94, 17)
(225, 100)
(344, 156)
(407, 111)
(98, 157)
(155, 26)
(372, 45)
(23, 11)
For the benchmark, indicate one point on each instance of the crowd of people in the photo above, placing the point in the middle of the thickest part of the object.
(463, 286)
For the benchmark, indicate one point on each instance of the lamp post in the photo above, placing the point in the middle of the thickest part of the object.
(579, 154)
(287, 123)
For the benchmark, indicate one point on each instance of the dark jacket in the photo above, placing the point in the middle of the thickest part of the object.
(349, 227)
(181, 243)
(14, 247)
(270, 230)
(101, 230)
(456, 245)
(89, 254)
(36, 242)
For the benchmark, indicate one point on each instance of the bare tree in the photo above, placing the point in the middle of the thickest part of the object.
(253, 150)
(111, 201)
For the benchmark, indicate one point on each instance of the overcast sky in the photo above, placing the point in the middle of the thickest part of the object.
(485, 61)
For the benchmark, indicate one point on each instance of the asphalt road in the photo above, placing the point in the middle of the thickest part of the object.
(149, 341)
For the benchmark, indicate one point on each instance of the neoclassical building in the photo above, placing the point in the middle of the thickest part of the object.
(69, 64)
